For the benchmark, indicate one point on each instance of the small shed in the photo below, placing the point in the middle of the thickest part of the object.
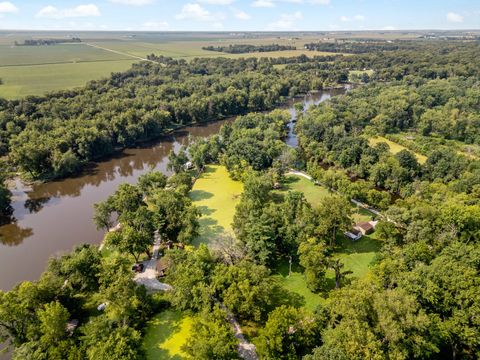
(354, 234)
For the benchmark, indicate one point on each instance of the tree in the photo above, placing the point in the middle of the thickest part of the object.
(130, 240)
(334, 217)
(102, 215)
(245, 289)
(151, 181)
(288, 334)
(176, 216)
(53, 321)
(212, 338)
(313, 259)
(337, 266)
(176, 162)
(103, 340)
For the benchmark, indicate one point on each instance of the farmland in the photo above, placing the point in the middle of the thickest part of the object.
(37, 70)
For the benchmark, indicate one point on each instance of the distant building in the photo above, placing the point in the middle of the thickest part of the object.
(360, 229)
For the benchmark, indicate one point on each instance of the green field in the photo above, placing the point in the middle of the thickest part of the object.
(36, 70)
(166, 333)
(394, 147)
(216, 195)
(20, 81)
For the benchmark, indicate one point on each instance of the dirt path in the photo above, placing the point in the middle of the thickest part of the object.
(148, 277)
(119, 52)
(246, 349)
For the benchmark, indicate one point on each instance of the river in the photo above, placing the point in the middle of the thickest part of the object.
(53, 217)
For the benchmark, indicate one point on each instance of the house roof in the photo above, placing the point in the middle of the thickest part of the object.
(366, 226)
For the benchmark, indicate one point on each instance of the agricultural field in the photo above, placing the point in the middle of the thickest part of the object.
(394, 147)
(216, 195)
(37, 70)
(166, 333)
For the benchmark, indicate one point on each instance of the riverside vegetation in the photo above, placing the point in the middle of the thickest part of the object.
(421, 297)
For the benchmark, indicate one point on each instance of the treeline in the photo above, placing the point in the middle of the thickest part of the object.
(354, 47)
(245, 48)
(39, 42)
(53, 136)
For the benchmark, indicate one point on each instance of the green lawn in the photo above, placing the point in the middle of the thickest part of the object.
(313, 193)
(216, 195)
(394, 147)
(166, 333)
(357, 256)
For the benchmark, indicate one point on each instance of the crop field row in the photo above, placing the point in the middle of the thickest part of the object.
(36, 70)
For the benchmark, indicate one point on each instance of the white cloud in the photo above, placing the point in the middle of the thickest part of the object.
(389, 27)
(155, 25)
(454, 17)
(272, 3)
(7, 7)
(194, 12)
(79, 11)
(132, 2)
(217, 2)
(286, 22)
(353, 18)
(263, 4)
(240, 15)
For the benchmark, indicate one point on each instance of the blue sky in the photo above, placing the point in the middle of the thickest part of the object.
(237, 15)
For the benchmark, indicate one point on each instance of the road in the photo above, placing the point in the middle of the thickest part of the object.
(120, 53)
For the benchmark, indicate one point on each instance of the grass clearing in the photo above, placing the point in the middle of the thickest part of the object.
(394, 147)
(357, 256)
(165, 335)
(216, 195)
(313, 193)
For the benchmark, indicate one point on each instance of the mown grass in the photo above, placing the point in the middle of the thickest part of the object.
(394, 147)
(216, 195)
(165, 335)
(357, 256)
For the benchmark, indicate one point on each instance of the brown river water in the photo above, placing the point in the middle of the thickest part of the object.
(51, 218)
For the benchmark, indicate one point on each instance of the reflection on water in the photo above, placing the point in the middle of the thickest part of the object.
(53, 217)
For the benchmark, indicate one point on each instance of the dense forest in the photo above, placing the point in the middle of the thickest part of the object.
(245, 48)
(421, 298)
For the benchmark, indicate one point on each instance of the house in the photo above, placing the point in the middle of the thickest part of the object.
(360, 229)
(366, 227)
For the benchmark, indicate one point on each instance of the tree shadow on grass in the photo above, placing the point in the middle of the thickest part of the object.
(205, 210)
(209, 230)
(366, 244)
(198, 195)
(281, 296)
